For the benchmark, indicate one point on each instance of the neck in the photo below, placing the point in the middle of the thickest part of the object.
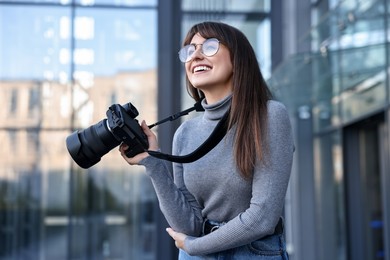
(213, 97)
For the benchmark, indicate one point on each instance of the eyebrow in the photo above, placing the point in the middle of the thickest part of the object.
(193, 43)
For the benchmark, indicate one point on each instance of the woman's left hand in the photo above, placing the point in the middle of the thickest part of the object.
(178, 237)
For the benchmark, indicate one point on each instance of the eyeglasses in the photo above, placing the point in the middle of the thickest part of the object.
(208, 48)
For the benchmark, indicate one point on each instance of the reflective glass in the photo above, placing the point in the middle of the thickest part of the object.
(231, 6)
(115, 59)
(344, 75)
(135, 3)
(208, 48)
(294, 77)
(330, 206)
(35, 87)
(363, 80)
(31, 47)
(54, 80)
(63, 2)
(132, 3)
(351, 24)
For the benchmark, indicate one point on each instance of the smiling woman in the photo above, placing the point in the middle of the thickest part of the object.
(233, 197)
(209, 71)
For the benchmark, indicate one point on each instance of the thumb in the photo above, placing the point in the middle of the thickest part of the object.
(171, 232)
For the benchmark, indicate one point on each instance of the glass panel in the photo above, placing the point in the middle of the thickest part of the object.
(292, 78)
(329, 186)
(34, 85)
(371, 188)
(63, 2)
(32, 44)
(363, 26)
(363, 81)
(231, 6)
(142, 3)
(310, 79)
(46, 201)
(324, 35)
(344, 77)
(351, 24)
(115, 61)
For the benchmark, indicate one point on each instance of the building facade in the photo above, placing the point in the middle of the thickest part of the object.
(334, 78)
(62, 64)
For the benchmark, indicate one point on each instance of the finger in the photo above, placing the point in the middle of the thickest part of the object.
(146, 129)
(123, 147)
(122, 150)
(171, 232)
(143, 124)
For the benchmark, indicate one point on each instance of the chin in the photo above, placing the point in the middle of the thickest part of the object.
(200, 84)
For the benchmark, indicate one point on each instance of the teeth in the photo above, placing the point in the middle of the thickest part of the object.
(201, 68)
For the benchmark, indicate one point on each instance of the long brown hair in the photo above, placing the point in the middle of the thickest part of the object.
(248, 110)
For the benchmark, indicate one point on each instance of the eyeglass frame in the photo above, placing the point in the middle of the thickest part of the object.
(189, 58)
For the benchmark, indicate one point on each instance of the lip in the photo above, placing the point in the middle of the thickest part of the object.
(199, 65)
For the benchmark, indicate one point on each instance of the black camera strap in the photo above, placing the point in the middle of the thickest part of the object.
(215, 137)
(197, 106)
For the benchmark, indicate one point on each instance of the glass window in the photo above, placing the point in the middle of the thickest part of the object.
(59, 73)
(329, 187)
(115, 57)
(40, 1)
(143, 3)
(13, 102)
(363, 80)
(107, 3)
(32, 43)
(231, 6)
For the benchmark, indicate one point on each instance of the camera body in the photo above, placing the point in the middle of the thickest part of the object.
(123, 125)
(88, 146)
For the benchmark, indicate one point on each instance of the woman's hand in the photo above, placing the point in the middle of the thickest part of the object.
(153, 146)
(178, 237)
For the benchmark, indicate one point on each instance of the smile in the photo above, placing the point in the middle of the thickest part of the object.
(201, 68)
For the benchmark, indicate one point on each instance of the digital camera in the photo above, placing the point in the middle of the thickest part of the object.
(88, 146)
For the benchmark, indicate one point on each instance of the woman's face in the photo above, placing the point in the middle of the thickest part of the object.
(212, 75)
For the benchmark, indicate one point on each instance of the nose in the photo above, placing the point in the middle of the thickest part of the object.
(197, 53)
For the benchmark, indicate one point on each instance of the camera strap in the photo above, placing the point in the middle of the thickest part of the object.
(215, 137)
(197, 106)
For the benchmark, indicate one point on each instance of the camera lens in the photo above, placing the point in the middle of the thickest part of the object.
(88, 146)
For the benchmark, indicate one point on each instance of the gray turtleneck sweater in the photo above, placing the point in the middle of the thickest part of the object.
(212, 187)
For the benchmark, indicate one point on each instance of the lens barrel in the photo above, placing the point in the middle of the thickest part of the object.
(88, 146)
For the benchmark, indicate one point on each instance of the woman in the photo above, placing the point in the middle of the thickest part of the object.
(229, 202)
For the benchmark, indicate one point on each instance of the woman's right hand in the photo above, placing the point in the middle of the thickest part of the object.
(153, 146)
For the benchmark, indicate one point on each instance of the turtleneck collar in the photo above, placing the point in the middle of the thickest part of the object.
(216, 110)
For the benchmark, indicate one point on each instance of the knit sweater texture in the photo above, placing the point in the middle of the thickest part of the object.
(212, 188)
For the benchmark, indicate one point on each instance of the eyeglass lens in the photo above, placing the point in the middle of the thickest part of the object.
(209, 48)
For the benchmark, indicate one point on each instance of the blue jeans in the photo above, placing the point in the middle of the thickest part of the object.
(270, 247)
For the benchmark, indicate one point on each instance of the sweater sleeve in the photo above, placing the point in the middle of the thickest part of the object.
(270, 181)
(174, 201)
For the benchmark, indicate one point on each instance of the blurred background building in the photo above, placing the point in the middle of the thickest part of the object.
(64, 62)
